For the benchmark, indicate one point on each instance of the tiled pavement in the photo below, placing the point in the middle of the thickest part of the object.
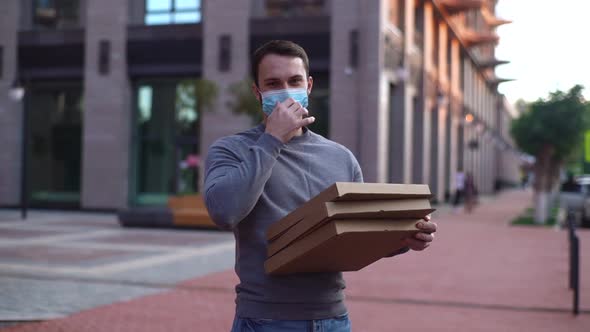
(55, 264)
(480, 275)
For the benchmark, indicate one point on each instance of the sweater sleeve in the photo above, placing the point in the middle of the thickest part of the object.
(234, 180)
(357, 173)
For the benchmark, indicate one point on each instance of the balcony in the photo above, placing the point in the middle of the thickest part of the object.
(495, 81)
(457, 6)
(491, 19)
(473, 38)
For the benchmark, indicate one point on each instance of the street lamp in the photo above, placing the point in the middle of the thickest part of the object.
(17, 93)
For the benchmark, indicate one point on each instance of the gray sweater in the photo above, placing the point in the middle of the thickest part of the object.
(253, 180)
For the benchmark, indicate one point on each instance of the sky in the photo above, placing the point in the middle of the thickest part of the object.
(548, 46)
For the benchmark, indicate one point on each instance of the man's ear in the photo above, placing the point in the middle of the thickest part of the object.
(309, 84)
(256, 92)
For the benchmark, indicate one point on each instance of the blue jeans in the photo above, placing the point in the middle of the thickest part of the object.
(336, 324)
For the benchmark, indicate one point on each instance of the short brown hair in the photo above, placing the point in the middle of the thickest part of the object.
(279, 47)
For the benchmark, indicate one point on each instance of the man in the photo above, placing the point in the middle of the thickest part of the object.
(255, 178)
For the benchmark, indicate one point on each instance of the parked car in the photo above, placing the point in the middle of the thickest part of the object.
(576, 198)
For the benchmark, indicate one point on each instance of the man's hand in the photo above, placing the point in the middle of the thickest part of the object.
(424, 237)
(286, 119)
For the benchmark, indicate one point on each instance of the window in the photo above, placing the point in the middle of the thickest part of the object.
(172, 11)
(56, 14)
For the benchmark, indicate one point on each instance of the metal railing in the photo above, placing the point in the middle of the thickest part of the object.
(574, 264)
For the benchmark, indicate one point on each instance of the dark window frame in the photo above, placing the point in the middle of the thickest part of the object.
(53, 4)
(294, 8)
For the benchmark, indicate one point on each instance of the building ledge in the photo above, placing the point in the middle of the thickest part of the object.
(50, 37)
(491, 19)
(491, 63)
(474, 38)
(495, 81)
(457, 6)
(289, 25)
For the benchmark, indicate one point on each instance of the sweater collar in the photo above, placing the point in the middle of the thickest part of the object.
(305, 136)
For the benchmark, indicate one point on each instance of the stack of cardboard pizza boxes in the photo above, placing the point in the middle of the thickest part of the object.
(346, 227)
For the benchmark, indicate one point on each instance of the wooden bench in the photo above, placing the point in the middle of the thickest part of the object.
(190, 211)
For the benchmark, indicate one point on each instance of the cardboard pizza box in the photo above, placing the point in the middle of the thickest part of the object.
(350, 191)
(342, 245)
(326, 211)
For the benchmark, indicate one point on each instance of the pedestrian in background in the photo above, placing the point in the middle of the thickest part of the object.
(470, 193)
(459, 190)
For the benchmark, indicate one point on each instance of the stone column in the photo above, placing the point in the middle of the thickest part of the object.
(443, 110)
(345, 112)
(409, 90)
(456, 113)
(398, 128)
(374, 130)
(486, 146)
(136, 11)
(107, 108)
(11, 111)
(224, 19)
(478, 133)
(418, 137)
(435, 146)
(429, 92)
(491, 150)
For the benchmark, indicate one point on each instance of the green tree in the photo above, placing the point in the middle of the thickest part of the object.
(552, 131)
(243, 100)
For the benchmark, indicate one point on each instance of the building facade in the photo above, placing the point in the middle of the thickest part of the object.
(113, 113)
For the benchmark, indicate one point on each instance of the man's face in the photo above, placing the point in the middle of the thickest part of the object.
(276, 72)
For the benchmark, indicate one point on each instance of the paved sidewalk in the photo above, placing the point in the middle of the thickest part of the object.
(55, 264)
(480, 275)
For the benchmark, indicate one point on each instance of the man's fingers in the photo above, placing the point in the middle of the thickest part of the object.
(295, 109)
(303, 112)
(424, 237)
(306, 121)
(277, 106)
(289, 102)
(427, 227)
(416, 245)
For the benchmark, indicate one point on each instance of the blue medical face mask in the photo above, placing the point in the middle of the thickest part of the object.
(270, 98)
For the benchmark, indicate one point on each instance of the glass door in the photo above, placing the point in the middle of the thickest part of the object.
(55, 144)
(165, 141)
